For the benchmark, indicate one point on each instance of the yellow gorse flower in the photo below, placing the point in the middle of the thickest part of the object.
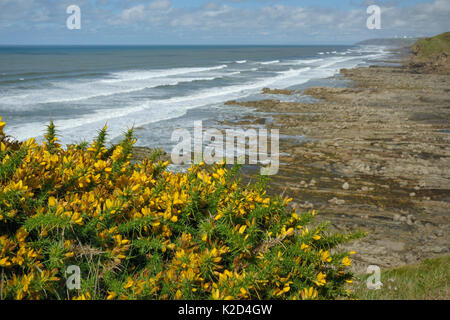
(309, 294)
(144, 232)
(2, 125)
(321, 281)
(346, 262)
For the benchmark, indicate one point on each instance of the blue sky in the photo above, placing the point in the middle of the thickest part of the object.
(217, 22)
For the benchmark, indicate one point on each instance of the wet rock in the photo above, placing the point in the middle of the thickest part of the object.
(410, 220)
(277, 91)
(337, 201)
(391, 245)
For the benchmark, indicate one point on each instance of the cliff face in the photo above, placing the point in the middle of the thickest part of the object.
(432, 54)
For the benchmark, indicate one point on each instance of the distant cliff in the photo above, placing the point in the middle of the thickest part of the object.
(394, 42)
(432, 54)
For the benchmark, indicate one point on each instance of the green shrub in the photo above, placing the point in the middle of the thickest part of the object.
(139, 231)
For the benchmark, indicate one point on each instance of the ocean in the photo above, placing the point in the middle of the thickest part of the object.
(153, 88)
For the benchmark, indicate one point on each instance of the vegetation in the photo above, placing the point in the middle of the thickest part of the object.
(427, 48)
(139, 231)
(429, 280)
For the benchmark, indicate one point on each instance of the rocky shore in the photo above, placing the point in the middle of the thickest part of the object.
(378, 159)
(376, 156)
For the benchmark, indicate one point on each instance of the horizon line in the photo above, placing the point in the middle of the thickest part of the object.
(174, 45)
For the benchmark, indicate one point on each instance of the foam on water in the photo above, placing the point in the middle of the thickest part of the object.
(151, 74)
(222, 83)
(270, 62)
(69, 92)
(155, 110)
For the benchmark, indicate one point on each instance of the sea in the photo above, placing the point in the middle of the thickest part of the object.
(155, 89)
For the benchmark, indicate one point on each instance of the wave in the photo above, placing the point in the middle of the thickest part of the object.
(301, 61)
(149, 111)
(270, 62)
(12, 80)
(232, 73)
(151, 74)
(84, 126)
(72, 93)
(241, 61)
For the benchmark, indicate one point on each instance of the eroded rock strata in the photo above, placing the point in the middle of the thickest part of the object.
(379, 160)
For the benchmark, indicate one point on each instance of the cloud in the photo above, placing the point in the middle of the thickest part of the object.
(151, 13)
(231, 21)
(159, 5)
(429, 17)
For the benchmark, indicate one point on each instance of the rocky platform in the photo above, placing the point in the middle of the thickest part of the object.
(379, 160)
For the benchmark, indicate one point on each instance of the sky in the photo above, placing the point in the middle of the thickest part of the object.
(216, 22)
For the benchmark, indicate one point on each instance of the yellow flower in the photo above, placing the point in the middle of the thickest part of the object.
(309, 294)
(129, 283)
(4, 262)
(321, 279)
(305, 247)
(216, 294)
(52, 202)
(325, 255)
(111, 295)
(2, 125)
(346, 262)
(86, 296)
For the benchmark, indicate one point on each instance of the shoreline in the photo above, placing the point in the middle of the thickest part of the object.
(378, 160)
(375, 157)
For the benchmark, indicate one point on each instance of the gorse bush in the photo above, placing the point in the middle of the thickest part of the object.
(139, 231)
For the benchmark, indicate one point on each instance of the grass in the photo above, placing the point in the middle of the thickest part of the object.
(431, 47)
(429, 280)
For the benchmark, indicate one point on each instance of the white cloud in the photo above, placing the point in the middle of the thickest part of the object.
(230, 21)
(159, 5)
(432, 17)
